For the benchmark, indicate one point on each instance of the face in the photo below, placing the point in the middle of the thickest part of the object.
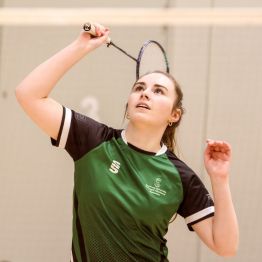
(152, 100)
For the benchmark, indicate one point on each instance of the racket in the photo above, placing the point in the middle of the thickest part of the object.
(151, 56)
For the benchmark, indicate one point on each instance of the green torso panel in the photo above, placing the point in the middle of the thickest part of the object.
(127, 199)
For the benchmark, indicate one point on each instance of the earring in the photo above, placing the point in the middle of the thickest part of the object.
(127, 116)
(170, 123)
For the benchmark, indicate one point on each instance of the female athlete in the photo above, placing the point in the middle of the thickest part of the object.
(128, 184)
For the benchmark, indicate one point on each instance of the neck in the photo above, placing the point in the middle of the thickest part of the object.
(144, 138)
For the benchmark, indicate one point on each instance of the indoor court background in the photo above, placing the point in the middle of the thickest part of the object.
(220, 71)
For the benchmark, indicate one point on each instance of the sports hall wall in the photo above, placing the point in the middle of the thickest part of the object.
(219, 69)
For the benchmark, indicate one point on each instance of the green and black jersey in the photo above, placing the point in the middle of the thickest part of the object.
(124, 197)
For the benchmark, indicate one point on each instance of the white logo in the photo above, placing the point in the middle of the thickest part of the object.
(115, 166)
(156, 190)
(157, 182)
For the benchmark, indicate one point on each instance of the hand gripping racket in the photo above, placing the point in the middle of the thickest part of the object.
(151, 56)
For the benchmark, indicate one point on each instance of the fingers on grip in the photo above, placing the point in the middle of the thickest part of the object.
(95, 29)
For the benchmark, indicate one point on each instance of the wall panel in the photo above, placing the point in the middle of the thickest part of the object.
(234, 114)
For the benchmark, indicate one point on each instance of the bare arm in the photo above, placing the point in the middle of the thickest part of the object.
(220, 233)
(33, 92)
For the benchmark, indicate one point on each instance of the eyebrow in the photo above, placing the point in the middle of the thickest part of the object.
(156, 85)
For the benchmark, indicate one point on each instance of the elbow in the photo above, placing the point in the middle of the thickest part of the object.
(22, 95)
(227, 252)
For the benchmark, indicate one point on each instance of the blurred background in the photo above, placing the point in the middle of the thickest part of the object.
(219, 66)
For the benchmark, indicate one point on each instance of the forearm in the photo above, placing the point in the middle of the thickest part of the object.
(32, 93)
(225, 226)
(40, 82)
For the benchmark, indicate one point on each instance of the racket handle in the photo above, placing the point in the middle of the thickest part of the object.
(91, 29)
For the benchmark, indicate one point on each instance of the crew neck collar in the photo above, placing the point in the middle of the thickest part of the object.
(161, 151)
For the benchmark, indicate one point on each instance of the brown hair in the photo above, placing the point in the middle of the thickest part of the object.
(168, 137)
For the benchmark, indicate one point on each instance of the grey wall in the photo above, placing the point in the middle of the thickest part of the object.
(220, 72)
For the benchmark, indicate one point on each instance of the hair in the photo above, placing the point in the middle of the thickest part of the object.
(169, 136)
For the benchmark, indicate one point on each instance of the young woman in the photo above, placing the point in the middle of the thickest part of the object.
(129, 183)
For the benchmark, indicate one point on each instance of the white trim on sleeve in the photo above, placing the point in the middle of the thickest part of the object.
(200, 214)
(66, 127)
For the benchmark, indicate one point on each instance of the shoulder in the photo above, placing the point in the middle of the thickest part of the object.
(81, 133)
(183, 169)
(197, 203)
(190, 180)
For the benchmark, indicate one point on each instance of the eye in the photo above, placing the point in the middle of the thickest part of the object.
(158, 91)
(138, 88)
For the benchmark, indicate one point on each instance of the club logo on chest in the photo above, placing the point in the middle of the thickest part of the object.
(155, 187)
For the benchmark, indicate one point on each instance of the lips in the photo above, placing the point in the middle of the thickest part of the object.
(143, 105)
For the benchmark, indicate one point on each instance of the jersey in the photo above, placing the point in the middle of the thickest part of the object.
(125, 197)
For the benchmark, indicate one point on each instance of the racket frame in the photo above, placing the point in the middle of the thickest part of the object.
(141, 52)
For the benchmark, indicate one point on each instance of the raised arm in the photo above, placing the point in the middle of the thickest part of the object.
(33, 92)
(220, 233)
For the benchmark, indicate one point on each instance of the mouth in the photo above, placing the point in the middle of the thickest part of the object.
(143, 105)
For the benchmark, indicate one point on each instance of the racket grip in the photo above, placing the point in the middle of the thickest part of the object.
(91, 29)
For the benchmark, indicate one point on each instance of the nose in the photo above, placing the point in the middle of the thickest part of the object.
(145, 93)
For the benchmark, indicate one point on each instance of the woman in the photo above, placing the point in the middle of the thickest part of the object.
(129, 183)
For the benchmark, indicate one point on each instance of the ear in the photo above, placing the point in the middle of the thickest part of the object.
(175, 115)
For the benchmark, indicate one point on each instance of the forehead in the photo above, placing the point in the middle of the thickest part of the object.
(157, 79)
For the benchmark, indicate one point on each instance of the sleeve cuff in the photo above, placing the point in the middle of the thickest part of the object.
(199, 216)
(64, 129)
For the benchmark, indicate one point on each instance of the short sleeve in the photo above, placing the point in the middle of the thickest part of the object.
(197, 203)
(64, 129)
(79, 134)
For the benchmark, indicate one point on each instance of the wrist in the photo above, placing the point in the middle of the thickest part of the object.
(80, 47)
(219, 180)
(221, 190)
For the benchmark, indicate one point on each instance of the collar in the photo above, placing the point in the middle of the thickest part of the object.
(161, 151)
